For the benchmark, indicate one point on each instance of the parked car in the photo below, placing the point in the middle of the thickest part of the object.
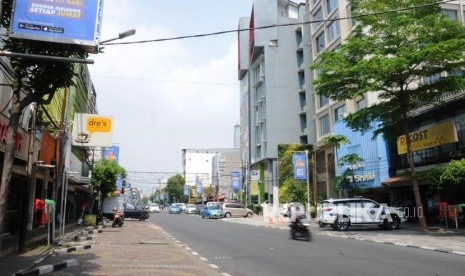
(130, 211)
(342, 213)
(236, 210)
(154, 208)
(191, 209)
(212, 212)
(174, 209)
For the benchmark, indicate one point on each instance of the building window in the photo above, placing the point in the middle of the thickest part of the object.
(360, 104)
(318, 19)
(339, 113)
(451, 14)
(323, 100)
(432, 79)
(320, 42)
(324, 125)
(331, 5)
(333, 30)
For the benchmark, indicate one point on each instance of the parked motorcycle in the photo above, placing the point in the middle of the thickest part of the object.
(300, 228)
(118, 218)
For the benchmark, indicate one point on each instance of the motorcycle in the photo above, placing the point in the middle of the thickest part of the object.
(300, 228)
(118, 218)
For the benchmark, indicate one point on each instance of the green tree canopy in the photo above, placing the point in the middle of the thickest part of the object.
(452, 174)
(175, 189)
(104, 176)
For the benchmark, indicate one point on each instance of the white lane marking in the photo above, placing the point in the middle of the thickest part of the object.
(195, 253)
(204, 259)
(188, 248)
(213, 265)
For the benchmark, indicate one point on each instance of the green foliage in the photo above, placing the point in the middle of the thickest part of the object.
(105, 174)
(291, 190)
(434, 177)
(400, 49)
(175, 189)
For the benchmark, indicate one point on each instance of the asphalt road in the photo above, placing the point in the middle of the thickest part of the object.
(240, 249)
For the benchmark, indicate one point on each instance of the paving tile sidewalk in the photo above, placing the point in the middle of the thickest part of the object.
(437, 238)
(137, 248)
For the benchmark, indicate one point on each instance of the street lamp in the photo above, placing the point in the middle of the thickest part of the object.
(120, 36)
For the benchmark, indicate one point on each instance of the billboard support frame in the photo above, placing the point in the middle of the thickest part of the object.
(47, 58)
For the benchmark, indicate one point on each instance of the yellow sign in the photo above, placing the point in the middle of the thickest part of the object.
(98, 124)
(437, 135)
(254, 188)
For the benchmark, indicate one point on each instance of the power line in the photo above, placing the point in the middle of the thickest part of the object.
(280, 25)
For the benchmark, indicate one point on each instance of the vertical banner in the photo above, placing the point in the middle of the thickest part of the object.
(299, 161)
(235, 181)
(111, 154)
(254, 188)
(186, 190)
(198, 186)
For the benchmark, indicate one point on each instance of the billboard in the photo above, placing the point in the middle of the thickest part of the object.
(111, 154)
(299, 162)
(63, 21)
(235, 181)
(92, 130)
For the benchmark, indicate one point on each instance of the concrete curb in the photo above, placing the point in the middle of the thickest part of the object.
(48, 268)
(71, 249)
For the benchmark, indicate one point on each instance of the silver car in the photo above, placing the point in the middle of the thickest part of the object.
(236, 210)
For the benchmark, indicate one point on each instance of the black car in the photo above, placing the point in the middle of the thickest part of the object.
(130, 211)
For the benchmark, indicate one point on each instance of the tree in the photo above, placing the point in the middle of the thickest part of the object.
(394, 54)
(33, 80)
(452, 174)
(335, 141)
(175, 188)
(104, 177)
(346, 182)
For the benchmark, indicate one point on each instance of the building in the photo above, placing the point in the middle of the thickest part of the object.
(270, 61)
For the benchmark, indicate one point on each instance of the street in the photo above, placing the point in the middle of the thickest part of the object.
(239, 249)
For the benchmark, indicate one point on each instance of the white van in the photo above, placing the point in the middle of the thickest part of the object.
(109, 203)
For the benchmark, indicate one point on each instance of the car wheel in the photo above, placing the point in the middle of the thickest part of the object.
(249, 215)
(292, 234)
(321, 224)
(342, 224)
(387, 225)
(395, 222)
(227, 215)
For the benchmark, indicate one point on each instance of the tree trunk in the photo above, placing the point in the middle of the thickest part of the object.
(416, 189)
(9, 156)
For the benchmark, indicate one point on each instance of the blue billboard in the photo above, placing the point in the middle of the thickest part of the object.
(111, 154)
(62, 21)
(235, 181)
(299, 161)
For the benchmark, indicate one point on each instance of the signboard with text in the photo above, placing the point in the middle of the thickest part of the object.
(299, 161)
(433, 136)
(63, 21)
(92, 130)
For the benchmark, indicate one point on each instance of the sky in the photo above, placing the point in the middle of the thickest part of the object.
(172, 95)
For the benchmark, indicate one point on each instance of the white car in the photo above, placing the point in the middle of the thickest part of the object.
(190, 209)
(154, 208)
(344, 212)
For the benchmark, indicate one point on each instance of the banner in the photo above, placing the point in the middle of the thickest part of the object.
(198, 186)
(111, 154)
(299, 161)
(186, 190)
(433, 136)
(254, 188)
(235, 181)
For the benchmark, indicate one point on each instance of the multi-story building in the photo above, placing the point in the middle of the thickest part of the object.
(210, 168)
(377, 174)
(269, 63)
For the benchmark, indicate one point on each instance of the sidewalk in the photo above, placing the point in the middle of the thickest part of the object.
(437, 238)
(137, 248)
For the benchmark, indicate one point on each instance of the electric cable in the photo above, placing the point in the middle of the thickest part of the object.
(280, 25)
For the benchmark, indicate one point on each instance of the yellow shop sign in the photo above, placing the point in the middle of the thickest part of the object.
(436, 135)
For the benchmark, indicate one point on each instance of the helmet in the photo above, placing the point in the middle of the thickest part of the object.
(115, 209)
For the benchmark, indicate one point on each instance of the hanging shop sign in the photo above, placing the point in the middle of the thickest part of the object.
(433, 136)
(92, 130)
